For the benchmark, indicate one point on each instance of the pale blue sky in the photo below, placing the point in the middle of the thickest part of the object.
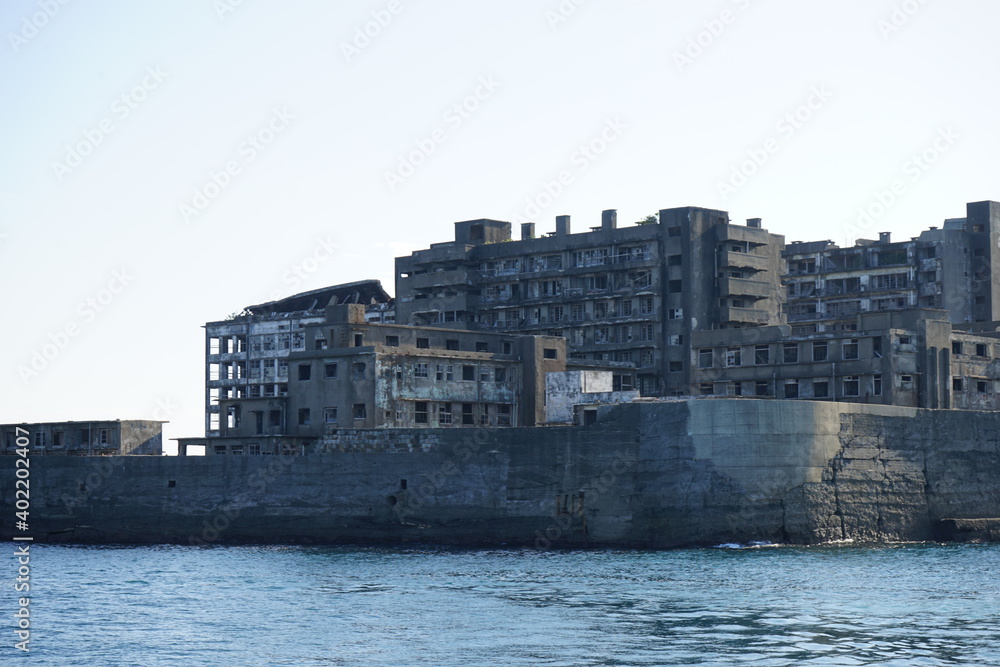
(333, 122)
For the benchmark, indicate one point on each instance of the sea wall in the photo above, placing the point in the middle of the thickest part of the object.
(649, 474)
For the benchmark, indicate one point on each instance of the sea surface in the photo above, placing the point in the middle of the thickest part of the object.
(909, 604)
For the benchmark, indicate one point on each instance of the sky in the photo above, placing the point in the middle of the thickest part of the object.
(166, 164)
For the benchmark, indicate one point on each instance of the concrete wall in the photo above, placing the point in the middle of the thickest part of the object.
(650, 474)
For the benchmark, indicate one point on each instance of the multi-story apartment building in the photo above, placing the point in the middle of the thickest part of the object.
(278, 378)
(247, 354)
(950, 268)
(90, 438)
(902, 357)
(631, 294)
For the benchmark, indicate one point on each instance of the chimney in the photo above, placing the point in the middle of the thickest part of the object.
(609, 219)
(527, 231)
(883, 237)
(562, 225)
(754, 222)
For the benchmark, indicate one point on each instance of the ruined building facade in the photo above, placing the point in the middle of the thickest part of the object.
(951, 269)
(912, 358)
(633, 294)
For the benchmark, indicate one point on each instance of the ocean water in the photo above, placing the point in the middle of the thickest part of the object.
(894, 605)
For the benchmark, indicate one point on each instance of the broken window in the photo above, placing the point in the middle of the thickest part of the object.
(503, 415)
(957, 384)
(304, 417)
(360, 411)
(877, 385)
(760, 388)
(423, 343)
(791, 388)
(852, 385)
(819, 351)
(451, 344)
(305, 371)
(469, 373)
(103, 436)
(705, 358)
(329, 415)
(734, 357)
(550, 353)
(392, 341)
(821, 388)
(762, 354)
(850, 349)
(444, 414)
(420, 370)
(358, 370)
(330, 371)
(468, 417)
(420, 412)
(482, 346)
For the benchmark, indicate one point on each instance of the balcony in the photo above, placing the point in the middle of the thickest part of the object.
(931, 264)
(743, 260)
(438, 279)
(743, 315)
(743, 287)
(753, 235)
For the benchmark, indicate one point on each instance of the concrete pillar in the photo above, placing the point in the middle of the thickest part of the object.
(944, 378)
(928, 394)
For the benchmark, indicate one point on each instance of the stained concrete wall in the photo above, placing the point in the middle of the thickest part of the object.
(650, 474)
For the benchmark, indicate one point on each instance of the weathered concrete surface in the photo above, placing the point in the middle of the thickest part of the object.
(650, 474)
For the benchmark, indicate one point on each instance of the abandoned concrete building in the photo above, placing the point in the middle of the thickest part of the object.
(86, 438)
(950, 268)
(490, 331)
(279, 377)
(632, 294)
(905, 357)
